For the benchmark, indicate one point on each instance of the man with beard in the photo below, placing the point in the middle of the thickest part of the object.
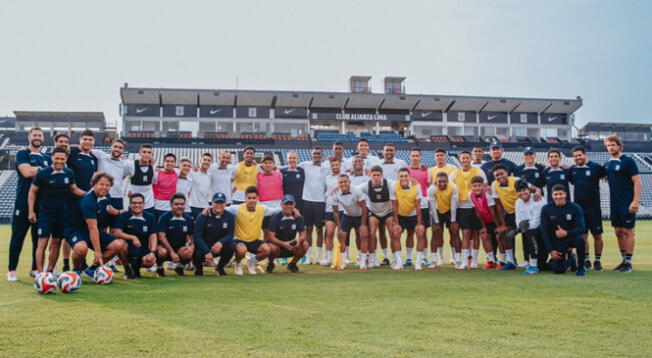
(138, 228)
(119, 168)
(555, 174)
(221, 176)
(314, 200)
(496, 151)
(28, 162)
(244, 175)
(142, 176)
(200, 186)
(390, 164)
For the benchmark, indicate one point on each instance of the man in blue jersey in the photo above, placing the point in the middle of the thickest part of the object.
(28, 162)
(562, 227)
(496, 151)
(62, 140)
(585, 177)
(138, 229)
(531, 171)
(283, 229)
(293, 179)
(54, 184)
(555, 174)
(175, 229)
(213, 235)
(625, 194)
(82, 162)
(87, 224)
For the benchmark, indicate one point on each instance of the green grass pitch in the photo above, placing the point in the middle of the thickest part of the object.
(322, 312)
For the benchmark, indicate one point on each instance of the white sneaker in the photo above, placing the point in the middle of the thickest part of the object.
(238, 269)
(152, 268)
(341, 267)
(347, 261)
(417, 266)
(308, 261)
(432, 265)
(452, 262)
(11, 276)
(442, 262)
(397, 266)
(524, 264)
(474, 265)
(171, 265)
(363, 266)
(326, 263)
(460, 266)
(251, 267)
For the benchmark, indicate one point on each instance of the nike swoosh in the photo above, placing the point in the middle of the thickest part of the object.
(215, 111)
(288, 111)
(550, 119)
(425, 114)
(491, 117)
(140, 110)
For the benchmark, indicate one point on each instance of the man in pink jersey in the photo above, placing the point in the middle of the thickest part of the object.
(270, 187)
(420, 174)
(486, 219)
(165, 185)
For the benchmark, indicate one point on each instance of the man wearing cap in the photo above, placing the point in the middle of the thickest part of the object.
(213, 235)
(530, 170)
(283, 229)
(496, 151)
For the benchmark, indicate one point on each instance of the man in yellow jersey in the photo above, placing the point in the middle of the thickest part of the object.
(505, 195)
(244, 175)
(248, 226)
(443, 199)
(441, 167)
(407, 213)
(465, 213)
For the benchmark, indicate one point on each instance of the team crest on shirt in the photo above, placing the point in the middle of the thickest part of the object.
(185, 228)
(66, 180)
(145, 228)
(617, 167)
(561, 177)
(536, 175)
(225, 225)
(298, 176)
(588, 173)
(569, 217)
(294, 226)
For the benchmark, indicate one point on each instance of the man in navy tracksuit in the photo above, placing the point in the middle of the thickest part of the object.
(562, 229)
(531, 171)
(28, 162)
(293, 178)
(138, 229)
(213, 235)
(585, 177)
(555, 174)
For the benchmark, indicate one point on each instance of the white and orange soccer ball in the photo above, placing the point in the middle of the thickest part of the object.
(103, 275)
(69, 282)
(45, 283)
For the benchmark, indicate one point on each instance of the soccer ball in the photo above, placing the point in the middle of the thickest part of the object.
(103, 275)
(69, 282)
(45, 283)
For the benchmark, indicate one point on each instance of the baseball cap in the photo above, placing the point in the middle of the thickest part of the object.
(495, 145)
(529, 150)
(219, 197)
(288, 198)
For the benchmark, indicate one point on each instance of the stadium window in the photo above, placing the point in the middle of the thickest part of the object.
(549, 132)
(179, 111)
(502, 132)
(488, 131)
(518, 132)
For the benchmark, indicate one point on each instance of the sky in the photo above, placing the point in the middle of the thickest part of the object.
(75, 55)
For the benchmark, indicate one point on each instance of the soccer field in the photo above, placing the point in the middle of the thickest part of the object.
(322, 312)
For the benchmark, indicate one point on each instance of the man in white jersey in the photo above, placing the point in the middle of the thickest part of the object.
(142, 177)
(332, 182)
(201, 184)
(353, 203)
(363, 151)
(314, 200)
(338, 152)
(380, 193)
(477, 156)
(184, 184)
(357, 177)
(390, 164)
(220, 174)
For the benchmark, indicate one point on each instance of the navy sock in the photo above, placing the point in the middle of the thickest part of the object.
(628, 258)
(598, 257)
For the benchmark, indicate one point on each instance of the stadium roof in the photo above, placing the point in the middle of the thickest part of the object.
(614, 125)
(310, 99)
(36, 116)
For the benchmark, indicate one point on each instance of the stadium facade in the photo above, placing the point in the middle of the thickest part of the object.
(206, 113)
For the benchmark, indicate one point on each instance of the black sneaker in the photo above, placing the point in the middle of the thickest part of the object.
(620, 268)
(270, 266)
(179, 270)
(137, 273)
(199, 270)
(66, 268)
(115, 269)
(587, 264)
(573, 263)
(628, 268)
(292, 267)
(219, 271)
(129, 273)
(385, 262)
(597, 265)
(160, 272)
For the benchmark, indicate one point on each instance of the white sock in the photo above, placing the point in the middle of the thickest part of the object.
(490, 257)
(318, 253)
(385, 254)
(474, 255)
(453, 253)
(347, 252)
(441, 252)
(252, 259)
(409, 253)
(309, 253)
(359, 255)
(419, 257)
(465, 255)
(372, 258)
(456, 256)
(510, 255)
(503, 257)
(363, 259)
(534, 262)
(329, 255)
(425, 254)
(433, 257)
(343, 256)
(397, 257)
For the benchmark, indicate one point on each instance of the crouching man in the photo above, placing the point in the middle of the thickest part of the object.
(562, 229)
(283, 229)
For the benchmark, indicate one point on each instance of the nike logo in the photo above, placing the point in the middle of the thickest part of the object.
(213, 111)
(288, 111)
(491, 117)
(425, 114)
(141, 110)
(550, 119)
